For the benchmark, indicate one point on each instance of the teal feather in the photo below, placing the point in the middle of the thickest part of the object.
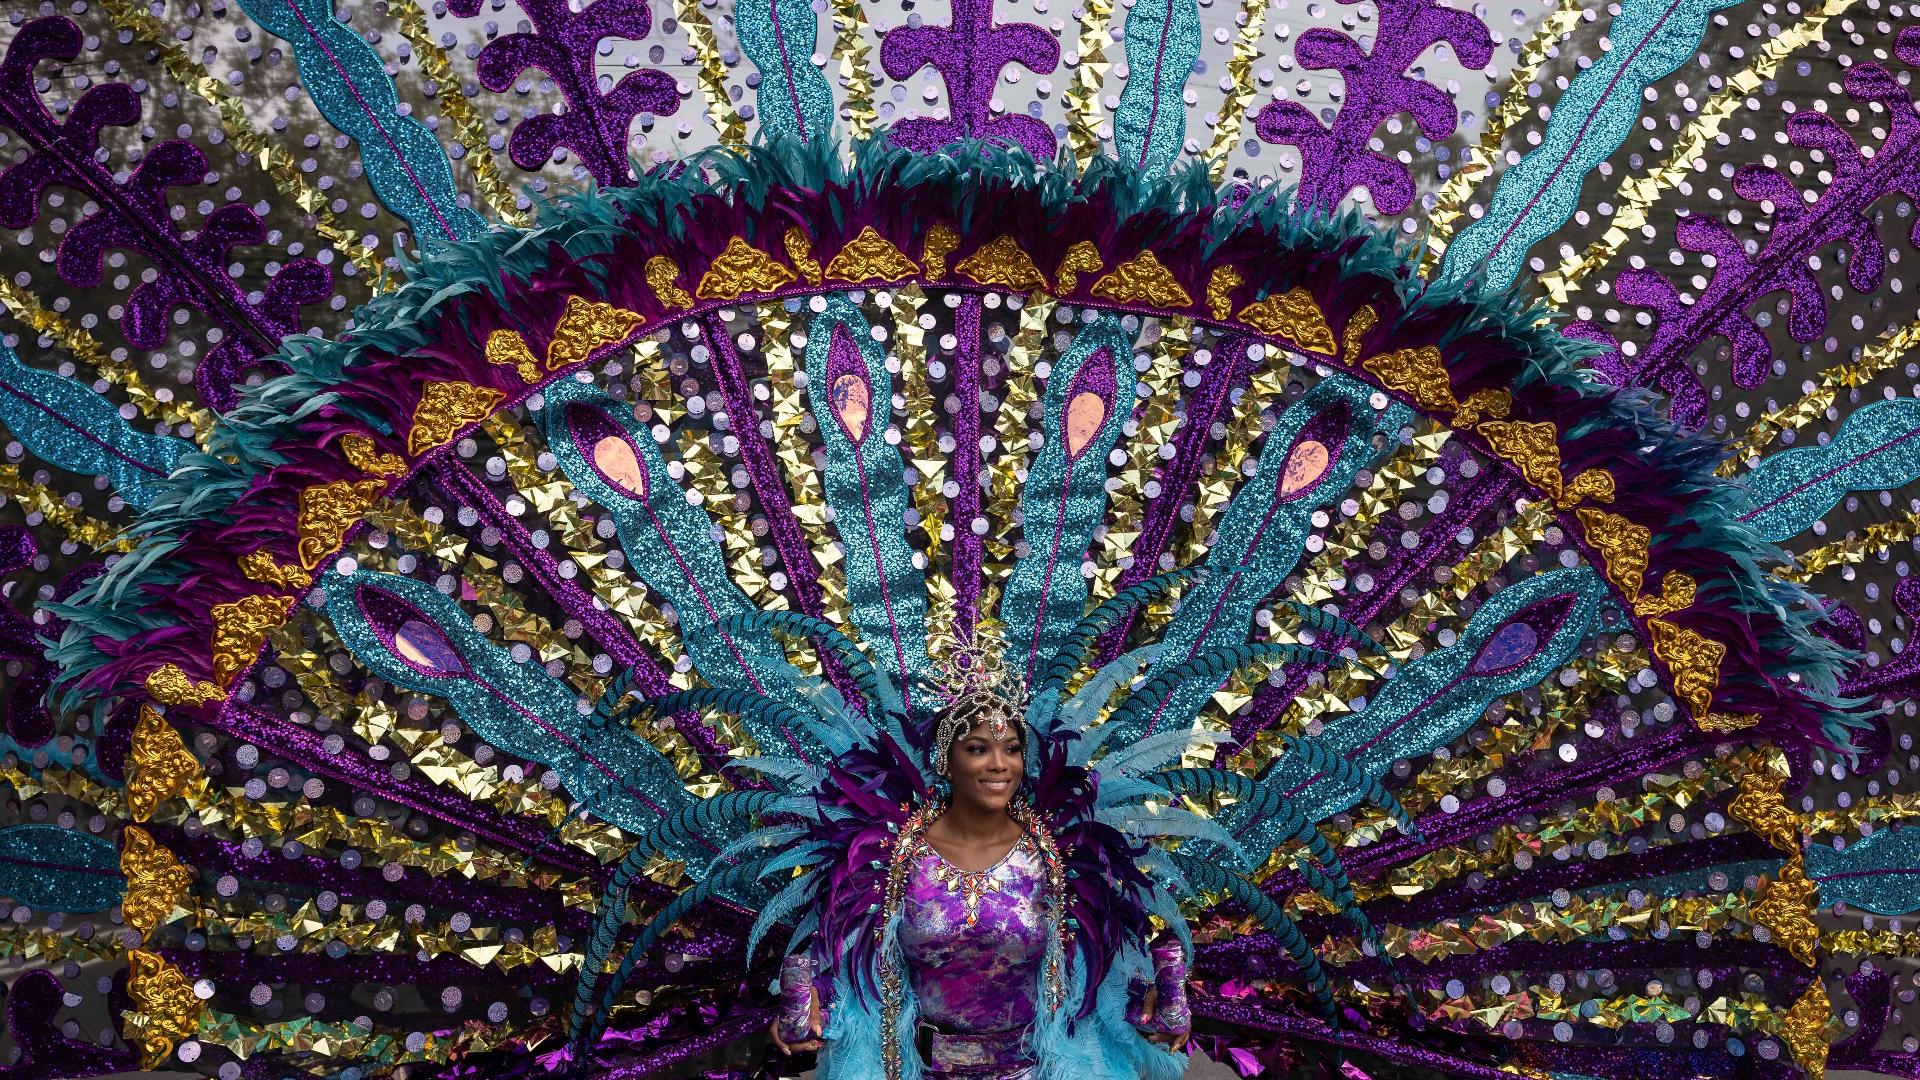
(874, 684)
(1065, 496)
(1074, 651)
(781, 907)
(1876, 449)
(54, 869)
(1085, 706)
(1209, 668)
(1206, 875)
(1147, 755)
(348, 80)
(1330, 623)
(69, 426)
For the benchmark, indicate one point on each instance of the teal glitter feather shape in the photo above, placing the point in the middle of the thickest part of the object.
(1090, 395)
(1876, 449)
(67, 425)
(1878, 873)
(779, 37)
(1163, 42)
(852, 396)
(413, 636)
(1309, 459)
(55, 869)
(405, 164)
(1650, 38)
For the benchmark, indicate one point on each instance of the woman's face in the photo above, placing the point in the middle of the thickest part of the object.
(985, 772)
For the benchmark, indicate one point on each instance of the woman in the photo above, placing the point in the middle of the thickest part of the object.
(976, 886)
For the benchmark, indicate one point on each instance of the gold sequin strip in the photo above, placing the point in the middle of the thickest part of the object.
(550, 497)
(347, 1041)
(392, 933)
(706, 474)
(86, 348)
(86, 531)
(457, 108)
(791, 445)
(1157, 423)
(1874, 539)
(1325, 574)
(1476, 164)
(1744, 1011)
(1011, 426)
(1885, 351)
(921, 444)
(1267, 389)
(1638, 194)
(1873, 811)
(276, 162)
(1084, 113)
(850, 48)
(713, 75)
(1544, 921)
(1252, 21)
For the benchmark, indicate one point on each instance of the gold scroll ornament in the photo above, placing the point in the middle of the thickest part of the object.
(169, 685)
(1082, 258)
(1142, 280)
(800, 253)
(663, 277)
(240, 629)
(1292, 316)
(161, 768)
(260, 565)
(156, 881)
(445, 408)
(585, 327)
(1624, 546)
(1220, 286)
(363, 455)
(1535, 448)
(327, 511)
(941, 242)
(1004, 263)
(1694, 661)
(740, 269)
(869, 257)
(165, 1008)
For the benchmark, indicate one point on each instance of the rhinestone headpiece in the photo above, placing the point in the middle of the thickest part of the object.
(978, 690)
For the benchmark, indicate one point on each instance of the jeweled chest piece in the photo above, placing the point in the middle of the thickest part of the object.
(971, 885)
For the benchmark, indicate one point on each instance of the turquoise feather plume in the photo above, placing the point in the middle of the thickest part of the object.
(69, 426)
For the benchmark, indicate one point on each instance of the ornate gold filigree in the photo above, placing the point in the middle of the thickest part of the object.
(1535, 448)
(1002, 262)
(240, 629)
(1493, 402)
(1677, 591)
(1761, 806)
(800, 253)
(1784, 907)
(870, 256)
(1694, 662)
(1353, 337)
(165, 1008)
(1623, 544)
(1082, 258)
(1294, 316)
(508, 349)
(160, 767)
(156, 881)
(1725, 723)
(1419, 373)
(261, 566)
(941, 242)
(169, 685)
(445, 408)
(741, 269)
(663, 277)
(1220, 286)
(362, 455)
(1142, 280)
(1804, 1029)
(585, 326)
(328, 510)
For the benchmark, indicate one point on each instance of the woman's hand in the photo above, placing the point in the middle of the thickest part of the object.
(816, 1022)
(1172, 1040)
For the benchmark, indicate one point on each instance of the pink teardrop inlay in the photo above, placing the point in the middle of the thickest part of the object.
(853, 404)
(1085, 413)
(615, 459)
(426, 649)
(1306, 464)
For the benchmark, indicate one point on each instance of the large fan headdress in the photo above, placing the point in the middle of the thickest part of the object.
(504, 512)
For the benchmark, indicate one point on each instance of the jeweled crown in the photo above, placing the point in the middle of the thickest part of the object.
(976, 688)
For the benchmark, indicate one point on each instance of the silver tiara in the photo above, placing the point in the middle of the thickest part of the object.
(977, 687)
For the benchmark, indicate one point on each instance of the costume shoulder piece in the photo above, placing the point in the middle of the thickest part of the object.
(498, 504)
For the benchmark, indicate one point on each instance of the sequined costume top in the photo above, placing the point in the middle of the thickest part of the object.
(974, 943)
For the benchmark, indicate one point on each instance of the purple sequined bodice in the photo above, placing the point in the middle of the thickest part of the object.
(975, 941)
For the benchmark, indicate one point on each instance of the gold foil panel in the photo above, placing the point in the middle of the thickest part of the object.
(446, 407)
(156, 882)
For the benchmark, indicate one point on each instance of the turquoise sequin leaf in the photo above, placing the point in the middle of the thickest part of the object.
(1876, 449)
(1650, 39)
(1878, 873)
(69, 426)
(1163, 41)
(54, 869)
(851, 395)
(1090, 394)
(414, 637)
(348, 80)
(779, 37)
(1309, 459)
